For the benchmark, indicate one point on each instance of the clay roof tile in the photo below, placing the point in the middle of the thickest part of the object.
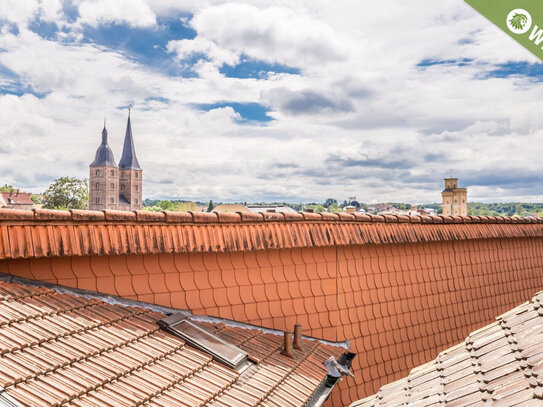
(204, 217)
(493, 363)
(60, 348)
(149, 216)
(330, 216)
(112, 215)
(82, 215)
(178, 217)
(311, 216)
(228, 217)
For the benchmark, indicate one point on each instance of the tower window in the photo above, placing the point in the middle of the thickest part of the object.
(97, 200)
(137, 187)
(136, 175)
(112, 185)
(97, 173)
(111, 200)
(122, 186)
(112, 172)
(97, 186)
(136, 201)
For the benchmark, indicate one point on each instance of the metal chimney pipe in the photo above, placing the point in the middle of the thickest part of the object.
(287, 347)
(298, 337)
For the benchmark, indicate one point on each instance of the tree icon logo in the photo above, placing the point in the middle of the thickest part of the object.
(519, 21)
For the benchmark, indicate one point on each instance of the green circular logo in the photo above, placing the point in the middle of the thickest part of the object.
(518, 21)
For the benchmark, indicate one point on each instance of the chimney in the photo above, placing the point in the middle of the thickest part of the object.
(287, 347)
(298, 338)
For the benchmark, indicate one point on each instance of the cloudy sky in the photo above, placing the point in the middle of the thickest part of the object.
(276, 100)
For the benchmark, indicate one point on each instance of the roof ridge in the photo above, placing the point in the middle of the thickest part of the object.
(141, 216)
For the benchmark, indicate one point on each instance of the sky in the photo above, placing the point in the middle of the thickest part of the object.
(295, 101)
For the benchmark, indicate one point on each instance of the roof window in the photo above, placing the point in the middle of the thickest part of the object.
(201, 339)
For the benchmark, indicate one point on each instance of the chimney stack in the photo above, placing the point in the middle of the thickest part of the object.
(287, 347)
(298, 337)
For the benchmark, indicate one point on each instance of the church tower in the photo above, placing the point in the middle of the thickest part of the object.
(130, 178)
(104, 178)
(455, 200)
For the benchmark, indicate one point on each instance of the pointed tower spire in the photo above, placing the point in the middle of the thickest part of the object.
(104, 155)
(129, 160)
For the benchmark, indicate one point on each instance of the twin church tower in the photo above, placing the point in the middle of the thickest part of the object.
(113, 186)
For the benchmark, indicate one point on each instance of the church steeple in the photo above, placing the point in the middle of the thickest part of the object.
(104, 155)
(129, 161)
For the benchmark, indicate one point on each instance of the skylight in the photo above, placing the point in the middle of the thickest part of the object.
(198, 337)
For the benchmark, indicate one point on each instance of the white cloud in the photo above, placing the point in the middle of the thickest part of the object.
(274, 35)
(360, 119)
(135, 13)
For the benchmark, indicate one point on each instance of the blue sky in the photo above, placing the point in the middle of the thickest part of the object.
(247, 101)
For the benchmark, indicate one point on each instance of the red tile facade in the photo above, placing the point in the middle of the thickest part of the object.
(400, 289)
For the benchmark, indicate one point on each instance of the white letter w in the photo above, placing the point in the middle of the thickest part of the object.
(538, 36)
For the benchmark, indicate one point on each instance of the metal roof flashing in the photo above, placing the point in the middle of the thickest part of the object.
(177, 324)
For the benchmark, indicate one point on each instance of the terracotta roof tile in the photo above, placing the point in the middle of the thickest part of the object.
(57, 233)
(499, 363)
(59, 349)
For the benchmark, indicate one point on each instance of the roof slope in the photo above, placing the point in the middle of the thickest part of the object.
(17, 198)
(501, 364)
(60, 349)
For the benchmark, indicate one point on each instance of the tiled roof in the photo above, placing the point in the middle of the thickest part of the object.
(60, 349)
(46, 233)
(17, 198)
(499, 365)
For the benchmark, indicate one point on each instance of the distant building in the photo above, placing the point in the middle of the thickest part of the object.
(16, 200)
(231, 208)
(455, 200)
(113, 186)
(271, 208)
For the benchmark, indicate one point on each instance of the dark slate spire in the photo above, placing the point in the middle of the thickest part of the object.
(129, 160)
(104, 155)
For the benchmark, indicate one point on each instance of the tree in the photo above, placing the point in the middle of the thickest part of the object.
(334, 208)
(210, 206)
(36, 199)
(67, 193)
(7, 188)
(176, 206)
(316, 208)
(329, 201)
(186, 206)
